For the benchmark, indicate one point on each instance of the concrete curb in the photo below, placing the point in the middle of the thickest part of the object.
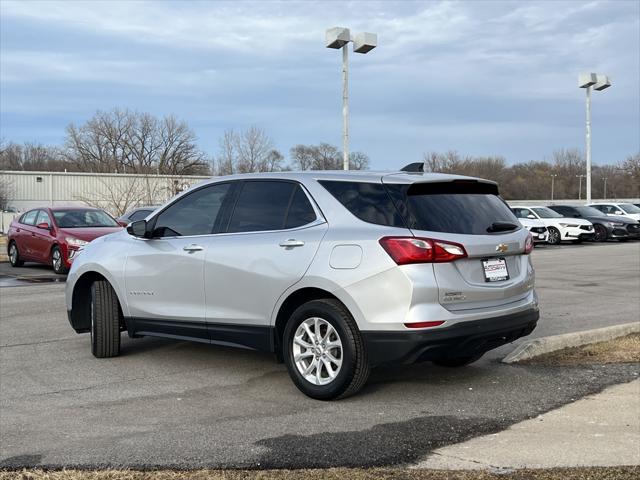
(540, 346)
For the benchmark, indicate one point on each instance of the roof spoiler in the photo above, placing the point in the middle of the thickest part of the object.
(413, 167)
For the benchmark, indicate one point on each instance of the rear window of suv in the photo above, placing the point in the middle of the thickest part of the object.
(466, 207)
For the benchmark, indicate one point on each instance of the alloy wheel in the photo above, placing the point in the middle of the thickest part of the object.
(554, 236)
(13, 254)
(600, 233)
(57, 260)
(317, 351)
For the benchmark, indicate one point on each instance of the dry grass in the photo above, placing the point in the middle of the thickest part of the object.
(608, 473)
(619, 350)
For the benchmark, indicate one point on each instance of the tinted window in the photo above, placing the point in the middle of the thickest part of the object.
(43, 217)
(567, 211)
(367, 201)
(300, 212)
(139, 215)
(83, 218)
(261, 206)
(589, 212)
(470, 208)
(194, 214)
(29, 218)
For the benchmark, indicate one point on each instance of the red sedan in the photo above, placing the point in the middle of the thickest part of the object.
(55, 235)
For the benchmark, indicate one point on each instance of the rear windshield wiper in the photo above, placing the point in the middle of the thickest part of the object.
(502, 227)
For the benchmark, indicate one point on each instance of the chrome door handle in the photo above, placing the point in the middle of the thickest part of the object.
(292, 243)
(192, 248)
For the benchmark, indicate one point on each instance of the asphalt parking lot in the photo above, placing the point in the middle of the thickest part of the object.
(175, 404)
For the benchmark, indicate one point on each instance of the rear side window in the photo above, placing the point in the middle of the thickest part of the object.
(369, 202)
(29, 218)
(300, 211)
(261, 206)
(470, 208)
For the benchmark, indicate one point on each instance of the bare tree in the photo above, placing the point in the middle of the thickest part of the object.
(122, 141)
(358, 161)
(247, 152)
(302, 156)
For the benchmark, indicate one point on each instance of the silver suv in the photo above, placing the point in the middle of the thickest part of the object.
(333, 272)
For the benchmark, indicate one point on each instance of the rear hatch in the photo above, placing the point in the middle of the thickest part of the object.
(470, 213)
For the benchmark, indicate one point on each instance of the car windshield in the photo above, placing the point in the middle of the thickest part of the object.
(83, 218)
(629, 208)
(544, 212)
(589, 211)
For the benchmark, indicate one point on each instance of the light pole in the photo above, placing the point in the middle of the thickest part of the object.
(604, 179)
(598, 82)
(553, 178)
(339, 37)
(580, 186)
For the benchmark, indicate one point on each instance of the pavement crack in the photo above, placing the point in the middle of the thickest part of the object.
(42, 342)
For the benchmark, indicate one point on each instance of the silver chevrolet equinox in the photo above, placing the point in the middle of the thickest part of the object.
(333, 272)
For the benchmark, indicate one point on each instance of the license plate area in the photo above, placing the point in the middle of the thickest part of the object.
(495, 269)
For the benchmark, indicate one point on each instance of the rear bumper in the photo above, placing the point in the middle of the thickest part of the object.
(461, 339)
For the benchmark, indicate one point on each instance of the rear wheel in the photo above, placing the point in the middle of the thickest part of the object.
(14, 255)
(554, 236)
(600, 233)
(105, 320)
(458, 361)
(324, 351)
(57, 262)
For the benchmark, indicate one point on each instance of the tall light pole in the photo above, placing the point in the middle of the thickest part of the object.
(339, 37)
(580, 186)
(597, 82)
(604, 179)
(553, 178)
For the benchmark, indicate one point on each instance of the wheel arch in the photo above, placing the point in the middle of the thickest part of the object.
(80, 313)
(294, 300)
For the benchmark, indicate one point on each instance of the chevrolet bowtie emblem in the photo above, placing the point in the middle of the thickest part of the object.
(503, 247)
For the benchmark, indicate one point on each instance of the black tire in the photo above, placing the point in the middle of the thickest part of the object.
(105, 320)
(458, 361)
(14, 255)
(57, 262)
(354, 370)
(554, 236)
(600, 233)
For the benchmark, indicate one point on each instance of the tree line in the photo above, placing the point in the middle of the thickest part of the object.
(124, 141)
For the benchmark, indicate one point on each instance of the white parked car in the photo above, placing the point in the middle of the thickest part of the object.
(560, 228)
(628, 210)
(538, 230)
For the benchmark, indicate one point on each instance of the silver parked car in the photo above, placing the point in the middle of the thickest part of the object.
(334, 272)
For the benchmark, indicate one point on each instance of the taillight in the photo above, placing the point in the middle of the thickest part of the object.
(528, 244)
(407, 250)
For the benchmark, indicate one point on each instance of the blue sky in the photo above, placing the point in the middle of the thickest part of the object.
(478, 77)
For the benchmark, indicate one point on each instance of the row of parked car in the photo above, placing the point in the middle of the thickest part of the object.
(597, 222)
(54, 235)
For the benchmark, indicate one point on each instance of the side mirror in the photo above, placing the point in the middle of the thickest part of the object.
(577, 215)
(531, 216)
(618, 212)
(138, 229)
(43, 226)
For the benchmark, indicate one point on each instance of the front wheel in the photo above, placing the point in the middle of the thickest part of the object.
(14, 255)
(57, 262)
(105, 320)
(324, 351)
(554, 236)
(600, 233)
